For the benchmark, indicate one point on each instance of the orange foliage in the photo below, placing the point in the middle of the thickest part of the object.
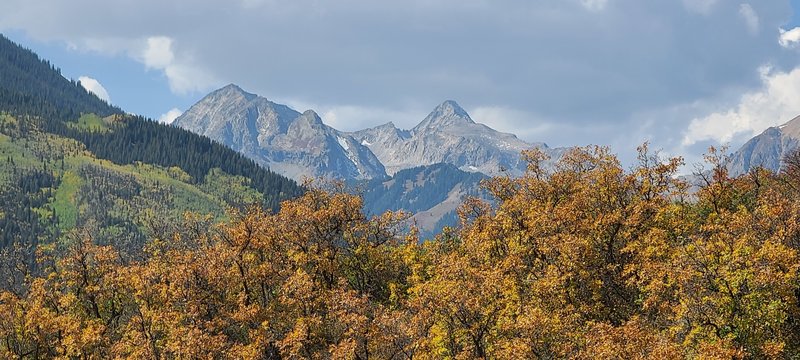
(583, 260)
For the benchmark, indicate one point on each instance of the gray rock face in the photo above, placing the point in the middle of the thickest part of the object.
(290, 143)
(432, 193)
(767, 149)
(448, 135)
(298, 145)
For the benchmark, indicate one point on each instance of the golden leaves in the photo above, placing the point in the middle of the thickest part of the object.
(582, 260)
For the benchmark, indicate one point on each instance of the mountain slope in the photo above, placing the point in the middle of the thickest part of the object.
(30, 85)
(767, 149)
(35, 92)
(51, 184)
(432, 193)
(291, 143)
(62, 165)
(448, 135)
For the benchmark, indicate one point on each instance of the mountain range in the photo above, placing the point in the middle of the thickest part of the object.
(426, 170)
(397, 165)
(300, 145)
(449, 135)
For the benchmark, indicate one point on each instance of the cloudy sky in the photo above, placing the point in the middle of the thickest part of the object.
(683, 74)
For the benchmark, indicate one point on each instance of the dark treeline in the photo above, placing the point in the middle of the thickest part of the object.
(30, 85)
(25, 223)
(19, 222)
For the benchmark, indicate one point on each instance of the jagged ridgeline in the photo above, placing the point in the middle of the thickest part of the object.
(68, 158)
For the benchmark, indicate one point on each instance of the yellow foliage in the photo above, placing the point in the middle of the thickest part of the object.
(581, 260)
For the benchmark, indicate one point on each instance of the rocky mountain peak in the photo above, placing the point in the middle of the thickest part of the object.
(312, 118)
(235, 117)
(232, 91)
(388, 129)
(767, 149)
(451, 108)
(447, 114)
(276, 136)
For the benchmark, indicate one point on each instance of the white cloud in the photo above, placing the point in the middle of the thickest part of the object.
(170, 116)
(776, 102)
(750, 17)
(104, 45)
(94, 87)
(789, 38)
(183, 76)
(158, 52)
(594, 5)
(250, 4)
(155, 53)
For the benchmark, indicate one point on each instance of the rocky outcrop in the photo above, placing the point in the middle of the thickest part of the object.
(274, 135)
(767, 149)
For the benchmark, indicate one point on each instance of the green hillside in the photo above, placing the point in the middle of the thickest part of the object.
(69, 159)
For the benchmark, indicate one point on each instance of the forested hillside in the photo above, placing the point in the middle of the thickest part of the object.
(586, 261)
(136, 139)
(68, 159)
(32, 86)
(35, 92)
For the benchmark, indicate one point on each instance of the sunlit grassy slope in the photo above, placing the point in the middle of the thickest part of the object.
(89, 188)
